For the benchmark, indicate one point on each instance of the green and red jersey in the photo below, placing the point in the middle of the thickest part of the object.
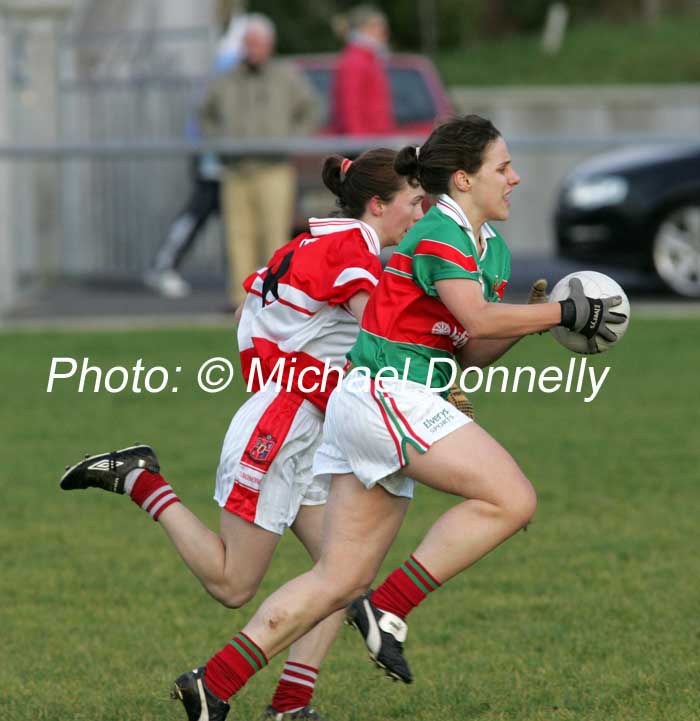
(405, 319)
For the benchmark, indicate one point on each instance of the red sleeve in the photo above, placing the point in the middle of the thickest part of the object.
(339, 268)
(248, 282)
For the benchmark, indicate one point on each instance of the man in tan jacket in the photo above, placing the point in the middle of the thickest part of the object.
(262, 97)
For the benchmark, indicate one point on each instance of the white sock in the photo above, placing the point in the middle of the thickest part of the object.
(131, 477)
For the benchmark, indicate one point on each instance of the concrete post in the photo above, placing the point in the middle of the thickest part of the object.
(193, 58)
(34, 118)
(555, 28)
(8, 281)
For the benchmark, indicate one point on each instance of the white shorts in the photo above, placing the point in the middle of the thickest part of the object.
(265, 471)
(368, 429)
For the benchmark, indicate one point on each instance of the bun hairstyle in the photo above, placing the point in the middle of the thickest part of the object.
(406, 163)
(458, 144)
(355, 183)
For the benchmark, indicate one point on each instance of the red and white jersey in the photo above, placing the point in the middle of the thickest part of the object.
(296, 309)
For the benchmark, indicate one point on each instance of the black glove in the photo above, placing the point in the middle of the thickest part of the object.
(590, 316)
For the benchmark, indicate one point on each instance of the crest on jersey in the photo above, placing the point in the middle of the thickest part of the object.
(442, 328)
(458, 338)
(262, 447)
(499, 288)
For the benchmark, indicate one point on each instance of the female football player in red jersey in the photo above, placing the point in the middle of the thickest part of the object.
(300, 317)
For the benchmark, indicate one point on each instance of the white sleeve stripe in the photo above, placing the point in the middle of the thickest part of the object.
(290, 295)
(350, 274)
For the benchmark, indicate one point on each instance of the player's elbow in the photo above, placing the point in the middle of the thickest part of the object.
(476, 327)
(484, 321)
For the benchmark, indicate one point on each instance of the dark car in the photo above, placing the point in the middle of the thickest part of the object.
(418, 99)
(638, 207)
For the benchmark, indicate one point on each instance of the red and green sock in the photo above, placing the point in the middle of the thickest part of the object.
(405, 588)
(229, 670)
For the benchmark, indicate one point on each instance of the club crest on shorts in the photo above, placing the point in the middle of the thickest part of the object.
(262, 447)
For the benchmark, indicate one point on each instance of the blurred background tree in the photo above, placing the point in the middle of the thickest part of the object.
(432, 25)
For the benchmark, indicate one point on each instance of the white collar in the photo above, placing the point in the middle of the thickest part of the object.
(326, 226)
(449, 207)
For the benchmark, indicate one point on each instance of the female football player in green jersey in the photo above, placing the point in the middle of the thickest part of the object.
(437, 303)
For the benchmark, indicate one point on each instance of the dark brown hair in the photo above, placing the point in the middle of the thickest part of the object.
(458, 144)
(372, 173)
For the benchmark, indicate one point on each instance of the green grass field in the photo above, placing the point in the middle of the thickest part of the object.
(593, 53)
(592, 615)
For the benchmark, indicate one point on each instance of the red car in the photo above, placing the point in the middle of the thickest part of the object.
(419, 100)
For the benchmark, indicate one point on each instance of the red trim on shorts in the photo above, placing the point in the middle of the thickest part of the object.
(405, 422)
(243, 502)
(387, 422)
(264, 444)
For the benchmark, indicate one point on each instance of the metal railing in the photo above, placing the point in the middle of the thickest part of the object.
(100, 209)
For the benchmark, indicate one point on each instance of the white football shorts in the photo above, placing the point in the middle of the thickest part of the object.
(265, 472)
(368, 427)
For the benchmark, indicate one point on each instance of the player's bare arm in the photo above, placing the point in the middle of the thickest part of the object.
(357, 304)
(481, 352)
(483, 320)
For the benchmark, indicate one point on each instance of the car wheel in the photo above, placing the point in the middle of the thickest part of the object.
(676, 250)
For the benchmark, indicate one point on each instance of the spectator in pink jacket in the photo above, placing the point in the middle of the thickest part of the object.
(361, 96)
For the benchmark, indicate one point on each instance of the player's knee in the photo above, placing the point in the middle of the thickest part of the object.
(352, 588)
(233, 596)
(338, 591)
(339, 587)
(521, 505)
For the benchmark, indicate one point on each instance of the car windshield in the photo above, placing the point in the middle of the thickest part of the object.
(411, 97)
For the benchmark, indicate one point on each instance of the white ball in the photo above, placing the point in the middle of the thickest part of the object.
(595, 285)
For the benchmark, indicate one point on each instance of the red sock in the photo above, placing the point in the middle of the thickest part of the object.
(405, 588)
(229, 670)
(295, 687)
(152, 492)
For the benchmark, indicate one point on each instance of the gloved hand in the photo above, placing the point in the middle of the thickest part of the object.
(538, 292)
(458, 398)
(590, 316)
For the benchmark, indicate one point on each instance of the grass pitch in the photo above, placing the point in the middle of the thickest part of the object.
(592, 615)
(593, 53)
